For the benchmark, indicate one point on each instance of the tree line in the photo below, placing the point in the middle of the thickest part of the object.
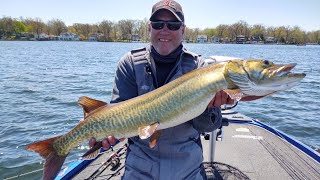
(124, 30)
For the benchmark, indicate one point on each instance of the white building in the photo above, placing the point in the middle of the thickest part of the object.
(270, 40)
(42, 36)
(95, 36)
(215, 39)
(67, 36)
(202, 39)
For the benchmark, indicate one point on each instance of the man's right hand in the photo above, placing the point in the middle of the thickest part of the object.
(106, 142)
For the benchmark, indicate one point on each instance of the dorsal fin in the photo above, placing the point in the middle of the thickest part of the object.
(89, 104)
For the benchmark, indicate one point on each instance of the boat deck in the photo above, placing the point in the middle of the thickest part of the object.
(246, 151)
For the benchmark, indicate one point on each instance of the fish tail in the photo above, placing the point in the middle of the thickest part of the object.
(53, 162)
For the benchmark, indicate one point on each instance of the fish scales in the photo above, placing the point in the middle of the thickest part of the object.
(162, 106)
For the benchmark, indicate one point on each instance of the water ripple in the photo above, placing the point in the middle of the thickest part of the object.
(42, 81)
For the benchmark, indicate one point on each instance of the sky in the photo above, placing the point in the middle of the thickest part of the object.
(198, 13)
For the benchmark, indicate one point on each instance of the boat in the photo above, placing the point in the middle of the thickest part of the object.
(243, 148)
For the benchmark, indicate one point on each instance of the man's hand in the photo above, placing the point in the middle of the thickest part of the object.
(106, 143)
(219, 99)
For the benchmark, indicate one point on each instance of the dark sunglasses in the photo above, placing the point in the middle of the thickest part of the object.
(171, 25)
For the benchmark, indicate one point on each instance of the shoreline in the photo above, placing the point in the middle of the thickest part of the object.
(248, 43)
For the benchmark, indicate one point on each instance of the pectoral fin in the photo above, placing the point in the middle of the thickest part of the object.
(146, 131)
(89, 104)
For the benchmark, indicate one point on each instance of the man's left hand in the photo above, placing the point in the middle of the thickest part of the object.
(219, 99)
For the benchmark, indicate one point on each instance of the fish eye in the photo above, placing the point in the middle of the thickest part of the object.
(266, 62)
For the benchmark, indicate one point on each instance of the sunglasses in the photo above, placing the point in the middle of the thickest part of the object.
(171, 25)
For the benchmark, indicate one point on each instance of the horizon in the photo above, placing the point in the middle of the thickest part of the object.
(197, 13)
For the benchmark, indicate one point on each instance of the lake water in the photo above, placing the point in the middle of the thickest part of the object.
(40, 83)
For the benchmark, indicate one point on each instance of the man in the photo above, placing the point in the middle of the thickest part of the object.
(178, 153)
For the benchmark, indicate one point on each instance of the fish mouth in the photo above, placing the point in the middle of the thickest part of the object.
(285, 71)
(282, 70)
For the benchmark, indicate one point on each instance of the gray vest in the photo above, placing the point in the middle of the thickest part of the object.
(146, 81)
(178, 154)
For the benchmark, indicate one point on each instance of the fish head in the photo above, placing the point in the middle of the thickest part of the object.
(259, 78)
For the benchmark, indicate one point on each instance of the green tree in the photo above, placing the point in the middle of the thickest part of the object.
(280, 34)
(271, 31)
(298, 36)
(19, 27)
(258, 31)
(35, 25)
(209, 32)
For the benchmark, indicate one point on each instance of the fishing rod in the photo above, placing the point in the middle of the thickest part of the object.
(113, 161)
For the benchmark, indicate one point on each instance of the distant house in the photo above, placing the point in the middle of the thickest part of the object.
(202, 39)
(41, 37)
(26, 35)
(215, 39)
(135, 38)
(225, 40)
(68, 36)
(95, 37)
(241, 39)
(256, 40)
(53, 38)
(269, 40)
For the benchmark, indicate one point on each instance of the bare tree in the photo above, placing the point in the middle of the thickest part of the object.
(126, 28)
(6, 26)
(280, 34)
(258, 31)
(141, 29)
(239, 28)
(314, 37)
(35, 25)
(221, 30)
(287, 31)
(106, 28)
(271, 31)
(57, 26)
(297, 36)
(83, 30)
(192, 34)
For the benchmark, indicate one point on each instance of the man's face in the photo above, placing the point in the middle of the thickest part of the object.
(164, 40)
